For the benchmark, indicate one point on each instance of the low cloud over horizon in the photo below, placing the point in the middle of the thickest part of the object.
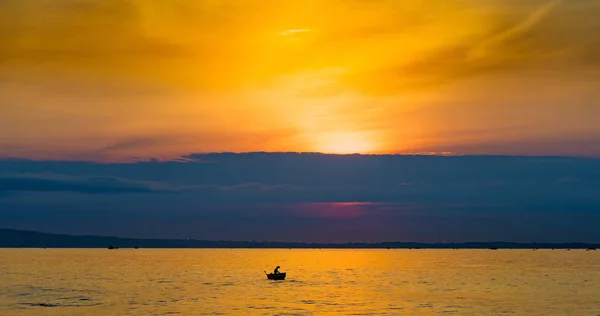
(310, 197)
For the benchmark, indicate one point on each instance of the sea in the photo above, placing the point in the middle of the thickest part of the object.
(90, 282)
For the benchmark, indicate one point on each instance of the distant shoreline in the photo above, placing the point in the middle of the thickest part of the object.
(12, 238)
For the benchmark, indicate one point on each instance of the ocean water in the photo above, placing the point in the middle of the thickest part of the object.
(320, 282)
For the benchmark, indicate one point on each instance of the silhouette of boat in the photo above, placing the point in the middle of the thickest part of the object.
(278, 276)
(493, 248)
(112, 247)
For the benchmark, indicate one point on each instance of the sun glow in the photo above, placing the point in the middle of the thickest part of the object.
(293, 32)
(345, 143)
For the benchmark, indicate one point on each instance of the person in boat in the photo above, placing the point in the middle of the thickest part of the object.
(276, 271)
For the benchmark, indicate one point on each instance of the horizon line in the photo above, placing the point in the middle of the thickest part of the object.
(361, 243)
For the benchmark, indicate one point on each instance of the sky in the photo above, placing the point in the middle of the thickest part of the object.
(117, 80)
(105, 88)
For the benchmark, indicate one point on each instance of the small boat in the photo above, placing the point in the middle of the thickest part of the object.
(273, 276)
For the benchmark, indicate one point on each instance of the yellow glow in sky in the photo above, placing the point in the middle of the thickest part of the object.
(133, 79)
(345, 143)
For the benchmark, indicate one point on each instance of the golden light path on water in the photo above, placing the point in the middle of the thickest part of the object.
(94, 282)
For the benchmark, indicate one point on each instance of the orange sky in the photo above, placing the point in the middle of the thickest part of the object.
(134, 79)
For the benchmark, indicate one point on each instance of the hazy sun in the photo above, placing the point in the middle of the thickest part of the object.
(345, 143)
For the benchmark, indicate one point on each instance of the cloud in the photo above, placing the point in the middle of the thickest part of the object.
(171, 43)
(588, 146)
(89, 185)
(517, 30)
(300, 178)
(282, 196)
(553, 38)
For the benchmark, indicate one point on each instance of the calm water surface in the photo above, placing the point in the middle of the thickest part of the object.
(344, 282)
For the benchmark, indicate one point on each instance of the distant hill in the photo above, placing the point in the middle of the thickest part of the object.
(12, 238)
